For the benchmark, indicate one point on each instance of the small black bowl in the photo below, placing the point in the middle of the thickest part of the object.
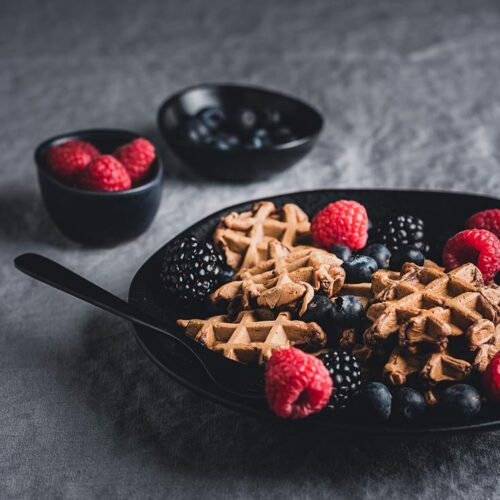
(238, 164)
(99, 218)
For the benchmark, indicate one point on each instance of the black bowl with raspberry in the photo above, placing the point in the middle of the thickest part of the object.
(238, 133)
(101, 187)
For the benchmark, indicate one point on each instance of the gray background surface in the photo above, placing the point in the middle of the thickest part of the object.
(411, 94)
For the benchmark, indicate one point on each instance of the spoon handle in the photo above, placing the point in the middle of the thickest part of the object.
(60, 277)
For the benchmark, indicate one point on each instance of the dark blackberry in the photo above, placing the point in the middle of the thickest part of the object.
(346, 375)
(191, 270)
(399, 232)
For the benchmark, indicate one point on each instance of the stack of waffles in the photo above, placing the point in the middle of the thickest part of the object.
(421, 322)
(440, 326)
(277, 276)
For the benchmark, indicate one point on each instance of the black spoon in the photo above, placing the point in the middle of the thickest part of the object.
(233, 377)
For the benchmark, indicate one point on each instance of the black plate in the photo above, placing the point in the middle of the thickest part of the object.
(444, 215)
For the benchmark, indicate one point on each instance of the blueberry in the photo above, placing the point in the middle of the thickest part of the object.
(342, 252)
(408, 405)
(222, 145)
(458, 403)
(406, 254)
(359, 269)
(232, 139)
(380, 253)
(347, 311)
(373, 403)
(318, 310)
(245, 120)
(270, 117)
(262, 136)
(497, 279)
(283, 134)
(260, 139)
(212, 118)
(255, 142)
(194, 130)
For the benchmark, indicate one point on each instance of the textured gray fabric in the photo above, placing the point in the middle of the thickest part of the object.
(411, 95)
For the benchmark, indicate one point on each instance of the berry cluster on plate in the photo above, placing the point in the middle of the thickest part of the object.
(80, 164)
(349, 319)
(246, 127)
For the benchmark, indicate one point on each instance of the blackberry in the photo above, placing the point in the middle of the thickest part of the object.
(191, 270)
(399, 232)
(346, 375)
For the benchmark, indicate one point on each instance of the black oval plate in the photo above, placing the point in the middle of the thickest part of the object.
(444, 214)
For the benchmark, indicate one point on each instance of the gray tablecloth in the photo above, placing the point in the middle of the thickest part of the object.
(411, 94)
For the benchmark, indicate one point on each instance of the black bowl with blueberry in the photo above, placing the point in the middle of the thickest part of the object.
(238, 133)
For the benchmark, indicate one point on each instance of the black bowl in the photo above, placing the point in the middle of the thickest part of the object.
(238, 164)
(99, 218)
(443, 213)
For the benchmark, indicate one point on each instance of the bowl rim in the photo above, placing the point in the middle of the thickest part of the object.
(171, 138)
(41, 149)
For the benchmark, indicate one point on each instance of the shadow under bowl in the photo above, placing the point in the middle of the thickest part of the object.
(99, 218)
(238, 164)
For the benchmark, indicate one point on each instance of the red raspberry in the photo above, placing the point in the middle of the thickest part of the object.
(487, 219)
(65, 160)
(105, 173)
(344, 222)
(297, 384)
(136, 156)
(477, 246)
(84, 146)
(491, 379)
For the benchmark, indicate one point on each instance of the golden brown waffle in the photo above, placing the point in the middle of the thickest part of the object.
(287, 280)
(432, 368)
(244, 237)
(427, 306)
(446, 324)
(254, 335)
(381, 280)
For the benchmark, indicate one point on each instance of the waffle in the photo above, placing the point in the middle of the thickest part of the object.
(381, 280)
(287, 281)
(254, 335)
(432, 368)
(244, 237)
(428, 306)
(446, 324)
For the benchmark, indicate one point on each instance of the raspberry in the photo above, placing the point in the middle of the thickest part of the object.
(105, 173)
(487, 219)
(344, 222)
(67, 159)
(297, 384)
(136, 156)
(477, 246)
(491, 379)
(88, 148)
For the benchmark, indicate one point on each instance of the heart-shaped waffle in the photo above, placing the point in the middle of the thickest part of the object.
(244, 237)
(287, 280)
(254, 335)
